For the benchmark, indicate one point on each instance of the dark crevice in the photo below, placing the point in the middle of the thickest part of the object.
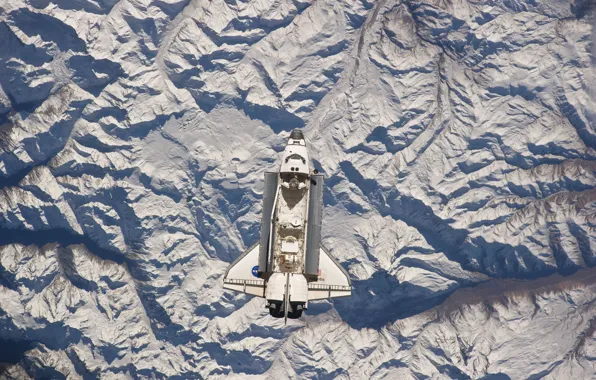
(15, 178)
(60, 236)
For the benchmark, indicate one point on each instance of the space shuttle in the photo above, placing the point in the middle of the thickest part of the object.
(289, 266)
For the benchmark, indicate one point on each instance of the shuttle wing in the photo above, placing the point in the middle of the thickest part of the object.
(333, 280)
(241, 275)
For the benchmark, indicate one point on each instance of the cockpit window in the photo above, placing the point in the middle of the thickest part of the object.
(295, 157)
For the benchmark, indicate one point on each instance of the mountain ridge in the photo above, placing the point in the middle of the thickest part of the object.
(457, 141)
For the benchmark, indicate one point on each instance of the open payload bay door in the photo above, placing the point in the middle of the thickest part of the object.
(333, 280)
(242, 274)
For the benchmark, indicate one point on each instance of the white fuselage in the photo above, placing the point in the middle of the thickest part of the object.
(291, 209)
(289, 234)
(289, 265)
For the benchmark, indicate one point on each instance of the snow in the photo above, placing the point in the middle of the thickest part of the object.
(458, 141)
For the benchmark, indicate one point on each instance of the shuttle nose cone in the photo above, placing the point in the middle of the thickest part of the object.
(297, 135)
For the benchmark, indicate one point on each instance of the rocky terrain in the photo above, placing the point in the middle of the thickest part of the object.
(458, 140)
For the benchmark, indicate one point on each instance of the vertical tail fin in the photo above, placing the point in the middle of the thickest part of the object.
(286, 299)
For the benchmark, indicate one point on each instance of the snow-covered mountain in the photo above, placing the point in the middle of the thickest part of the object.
(459, 143)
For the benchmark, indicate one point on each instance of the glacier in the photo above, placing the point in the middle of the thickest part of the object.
(458, 140)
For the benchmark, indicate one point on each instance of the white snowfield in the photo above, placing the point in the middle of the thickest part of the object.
(458, 141)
